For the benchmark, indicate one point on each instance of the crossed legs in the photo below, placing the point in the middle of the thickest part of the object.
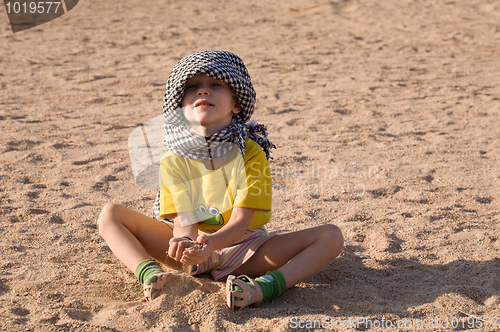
(134, 237)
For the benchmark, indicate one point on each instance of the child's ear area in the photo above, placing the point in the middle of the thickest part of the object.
(236, 108)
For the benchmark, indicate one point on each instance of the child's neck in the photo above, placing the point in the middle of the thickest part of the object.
(202, 131)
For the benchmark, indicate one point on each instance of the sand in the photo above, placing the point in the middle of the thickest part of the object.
(386, 118)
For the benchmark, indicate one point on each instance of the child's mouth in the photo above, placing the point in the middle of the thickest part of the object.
(202, 104)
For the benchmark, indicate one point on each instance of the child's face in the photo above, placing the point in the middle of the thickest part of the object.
(209, 104)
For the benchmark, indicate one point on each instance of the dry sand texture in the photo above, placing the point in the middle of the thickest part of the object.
(386, 117)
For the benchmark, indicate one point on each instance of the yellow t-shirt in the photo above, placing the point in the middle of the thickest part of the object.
(187, 185)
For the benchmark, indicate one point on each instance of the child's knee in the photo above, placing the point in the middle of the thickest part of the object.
(333, 238)
(106, 216)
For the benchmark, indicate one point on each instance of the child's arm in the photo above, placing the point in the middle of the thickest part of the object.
(234, 229)
(186, 223)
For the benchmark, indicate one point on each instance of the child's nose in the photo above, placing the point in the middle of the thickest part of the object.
(203, 90)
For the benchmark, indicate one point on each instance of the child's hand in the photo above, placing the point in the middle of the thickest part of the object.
(176, 247)
(191, 256)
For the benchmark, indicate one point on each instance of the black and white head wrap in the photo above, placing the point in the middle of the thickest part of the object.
(224, 66)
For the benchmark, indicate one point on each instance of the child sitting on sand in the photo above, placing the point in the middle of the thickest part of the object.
(215, 188)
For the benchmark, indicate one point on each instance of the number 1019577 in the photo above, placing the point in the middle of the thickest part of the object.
(32, 7)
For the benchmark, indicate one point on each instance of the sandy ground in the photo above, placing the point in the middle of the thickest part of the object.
(386, 117)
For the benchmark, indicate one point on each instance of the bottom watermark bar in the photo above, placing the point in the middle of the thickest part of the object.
(404, 323)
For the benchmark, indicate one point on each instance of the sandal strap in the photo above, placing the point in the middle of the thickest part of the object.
(248, 295)
(152, 290)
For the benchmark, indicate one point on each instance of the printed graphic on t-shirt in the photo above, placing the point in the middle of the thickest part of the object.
(209, 216)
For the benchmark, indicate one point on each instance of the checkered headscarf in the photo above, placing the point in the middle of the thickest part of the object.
(224, 66)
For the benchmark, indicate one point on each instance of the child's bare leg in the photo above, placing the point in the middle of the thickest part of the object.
(297, 255)
(134, 237)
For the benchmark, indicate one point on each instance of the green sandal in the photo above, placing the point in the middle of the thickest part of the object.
(155, 286)
(240, 294)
